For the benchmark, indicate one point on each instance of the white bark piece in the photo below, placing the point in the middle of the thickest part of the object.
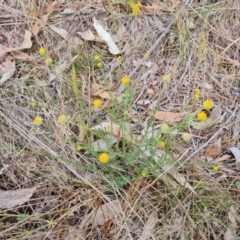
(105, 36)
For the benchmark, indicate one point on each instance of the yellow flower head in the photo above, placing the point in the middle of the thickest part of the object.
(119, 58)
(103, 158)
(38, 121)
(202, 116)
(164, 127)
(215, 168)
(208, 104)
(33, 132)
(162, 144)
(146, 54)
(42, 50)
(135, 8)
(96, 57)
(186, 137)
(144, 174)
(97, 103)
(99, 64)
(197, 93)
(166, 78)
(33, 104)
(78, 147)
(125, 80)
(150, 91)
(48, 62)
(62, 119)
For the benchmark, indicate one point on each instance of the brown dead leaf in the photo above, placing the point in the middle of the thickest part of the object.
(116, 130)
(178, 177)
(101, 215)
(61, 68)
(149, 226)
(8, 72)
(26, 44)
(151, 9)
(62, 32)
(10, 199)
(215, 148)
(21, 55)
(168, 116)
(43, 21)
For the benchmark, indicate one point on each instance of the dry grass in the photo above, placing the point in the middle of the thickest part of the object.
(200, 51)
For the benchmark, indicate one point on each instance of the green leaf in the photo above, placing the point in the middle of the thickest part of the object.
(206, 124)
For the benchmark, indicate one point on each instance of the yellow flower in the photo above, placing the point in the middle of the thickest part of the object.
(119, 58)
(135, 8)
(197, 93)
(146, 54)
(99, 64)
(78, 147)
(97, 103)
(48, 62)
(202, 116)
(166, 78)
(42, 51)
(162, 144)
(62, 119)
(38, 121)
(96, 57)
(33, 104)
(103, 158)
(125, 80)
(215, 168)
(186, 137)
(208, 104)
(144, 174)
(150, 91)
(33, 132)
(164, 127)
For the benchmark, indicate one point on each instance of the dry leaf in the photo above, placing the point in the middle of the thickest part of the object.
(101, 215)
(215, 148)
(60, 69)
(115, 129)
(21, 55)
(103, 145)
(149, 226)
(87, 35)
(168, 116)
(62, 32)
(229, 235)
(236, 152)
(151, 9)
(69, 10)
(26, 44)
(9, 73)
(178, 177)
(105, 36)
(10, 199)
(43, 21)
